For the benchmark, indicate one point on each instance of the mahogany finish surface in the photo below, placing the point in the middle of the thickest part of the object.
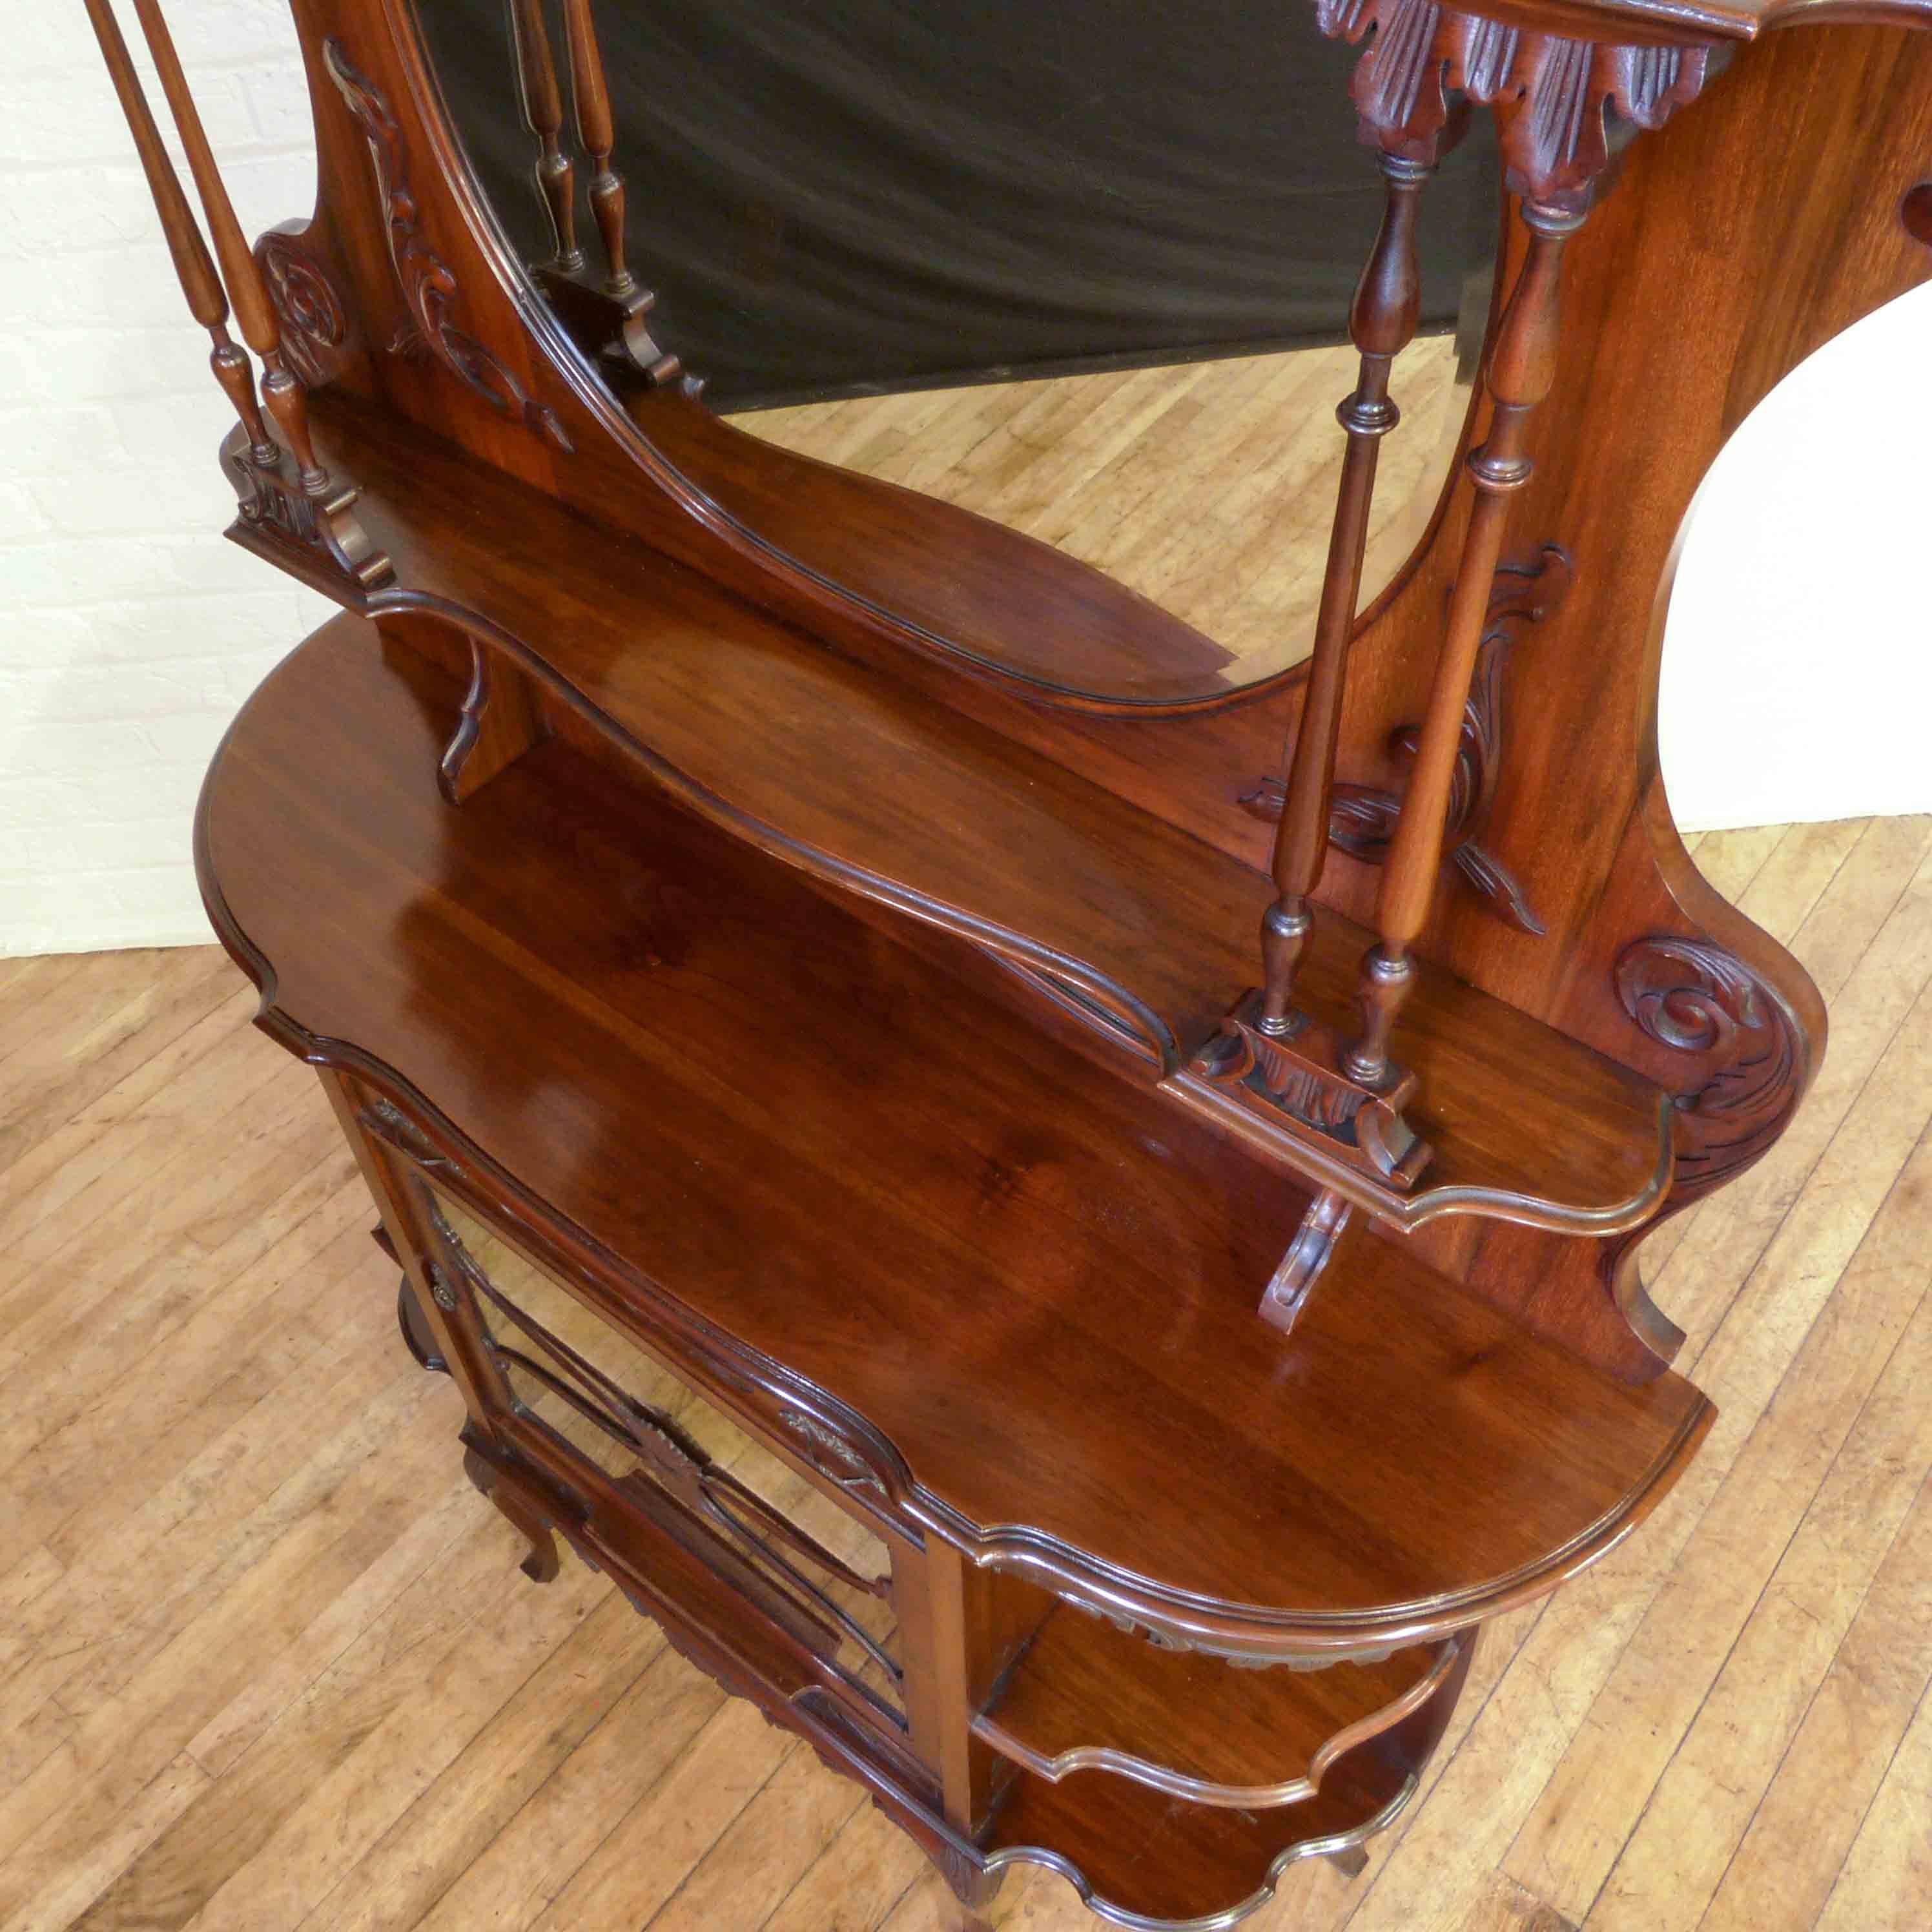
(897, 1191)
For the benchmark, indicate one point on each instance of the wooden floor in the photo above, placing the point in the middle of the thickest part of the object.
(266, 1661)
(1208, 488)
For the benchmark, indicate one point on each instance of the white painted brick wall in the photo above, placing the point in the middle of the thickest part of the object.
(130, 630)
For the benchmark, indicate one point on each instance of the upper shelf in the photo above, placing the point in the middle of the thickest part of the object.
(1017, 1288)
(841, 770)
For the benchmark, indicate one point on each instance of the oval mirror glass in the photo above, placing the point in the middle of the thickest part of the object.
(1083, 272)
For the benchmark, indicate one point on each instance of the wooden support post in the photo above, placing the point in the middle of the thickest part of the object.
(193, 266)
(1521, 369)
(1381, 322)
(543, 109)
(254, 314)
(595, 129)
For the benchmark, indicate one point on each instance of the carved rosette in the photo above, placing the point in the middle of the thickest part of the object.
(307, 305)
(1557, 100)
(429, 287)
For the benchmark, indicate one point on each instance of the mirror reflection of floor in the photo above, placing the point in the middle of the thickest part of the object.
(1208, 487)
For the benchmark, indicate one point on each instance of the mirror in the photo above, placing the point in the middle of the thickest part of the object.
(1084, 273)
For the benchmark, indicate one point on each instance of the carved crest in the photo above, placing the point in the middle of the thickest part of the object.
(1557, 100)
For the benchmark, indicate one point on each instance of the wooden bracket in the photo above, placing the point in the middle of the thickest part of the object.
(1299, 1076)
(503, 718)
(615, 323)
(315, 535)
(1308, 1255)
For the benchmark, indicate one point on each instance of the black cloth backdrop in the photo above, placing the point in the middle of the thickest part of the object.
(838, 196)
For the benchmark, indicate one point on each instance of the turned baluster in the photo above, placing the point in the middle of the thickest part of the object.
(543, 109)
(1381, 322)
(1522, 368)
(193, 266)
(255, 315)
(594, 130)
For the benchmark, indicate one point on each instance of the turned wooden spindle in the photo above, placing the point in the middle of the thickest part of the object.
(543, 109)
(194, 265)
(1522, 368)
(254, 314)
(1382, 323)
(594, 130)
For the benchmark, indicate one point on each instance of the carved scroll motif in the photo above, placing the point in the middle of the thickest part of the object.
(428, 287)
(1558, 101)
(1692, 996)
(1363, 818)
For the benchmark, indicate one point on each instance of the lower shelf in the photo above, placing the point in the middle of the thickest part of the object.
(1142, 1858)
(1087, 1695)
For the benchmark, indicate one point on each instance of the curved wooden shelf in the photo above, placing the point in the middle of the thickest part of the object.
(1087, 1695)
(753, 1086)
(1140, 1858)
(841, 771)
(1113, 1845)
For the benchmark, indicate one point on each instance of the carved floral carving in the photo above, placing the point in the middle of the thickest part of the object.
(428, 287)
(831, 1452)
(388, 1122)
(1300, 1076)
(1557, 100)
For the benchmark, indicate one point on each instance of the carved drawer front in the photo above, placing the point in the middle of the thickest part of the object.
(627, 1434)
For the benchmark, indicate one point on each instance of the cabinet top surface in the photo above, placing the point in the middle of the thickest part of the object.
(1023, 1286)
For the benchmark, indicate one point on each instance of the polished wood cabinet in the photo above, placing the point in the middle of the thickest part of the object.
(1064, 1207)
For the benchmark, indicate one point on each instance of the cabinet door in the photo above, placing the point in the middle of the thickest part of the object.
(597, 1411)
